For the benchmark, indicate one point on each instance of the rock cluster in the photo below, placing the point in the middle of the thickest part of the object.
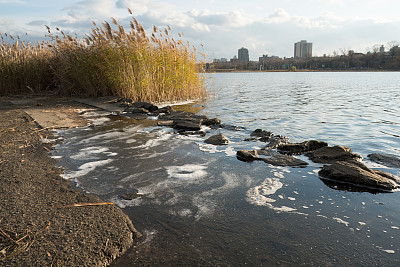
(342, 165)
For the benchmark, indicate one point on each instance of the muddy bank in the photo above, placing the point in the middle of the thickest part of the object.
(39, 226)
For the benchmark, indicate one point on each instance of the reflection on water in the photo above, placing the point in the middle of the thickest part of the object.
(199, 205)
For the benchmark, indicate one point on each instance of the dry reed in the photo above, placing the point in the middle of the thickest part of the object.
(109, 61)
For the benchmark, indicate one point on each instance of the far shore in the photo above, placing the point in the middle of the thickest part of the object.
(301, 70)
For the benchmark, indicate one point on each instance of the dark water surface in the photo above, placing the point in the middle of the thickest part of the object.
(201, 206)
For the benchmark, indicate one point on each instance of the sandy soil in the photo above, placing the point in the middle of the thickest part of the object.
(38, 225)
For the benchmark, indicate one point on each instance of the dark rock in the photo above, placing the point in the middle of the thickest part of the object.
(276, 141)
(187, 124)
(210, 122)
(357, 173)
(131, 195)
(150, 107)
(270, 157)
(298, 148)
(285, 160)
(388, 160)
(329, 154)
(263, 135)
(218, 139)
(166, 110)
(246, 155)
(139, 111)
(187, 133)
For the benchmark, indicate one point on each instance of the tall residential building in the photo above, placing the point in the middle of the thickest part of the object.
(303, 49)
(243, 54)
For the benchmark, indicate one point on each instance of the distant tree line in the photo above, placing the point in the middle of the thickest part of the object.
(345, 60)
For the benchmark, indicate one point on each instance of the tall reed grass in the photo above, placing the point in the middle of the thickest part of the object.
(108, 61)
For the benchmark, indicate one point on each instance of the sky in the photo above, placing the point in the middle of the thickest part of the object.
(268, 27)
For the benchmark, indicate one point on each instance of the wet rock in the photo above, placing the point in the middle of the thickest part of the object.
(270, 157)
(329, 154)
(285, 160)
(298, 148)
(188, 124)
(149, 106)
(218, 139)
(139, 111)
(357, 173)
(130, 196)
(211, 122)
(166, 110)
(276, 141)
(263, 135)
(388, 160)
(246, 155)
(187, 133)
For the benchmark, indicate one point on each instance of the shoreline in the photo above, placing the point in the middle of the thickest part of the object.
(41, 221)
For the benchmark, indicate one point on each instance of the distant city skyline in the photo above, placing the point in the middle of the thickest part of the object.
(263, 27)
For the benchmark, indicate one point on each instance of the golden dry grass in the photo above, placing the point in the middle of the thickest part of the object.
(109, 61)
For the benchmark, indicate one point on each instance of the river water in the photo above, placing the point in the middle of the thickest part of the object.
(200, 206)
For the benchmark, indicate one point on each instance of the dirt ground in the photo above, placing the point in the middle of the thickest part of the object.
(38, 224)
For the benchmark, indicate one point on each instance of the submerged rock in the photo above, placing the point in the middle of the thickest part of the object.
(298, 148)
(357, 173)
(131, 195)
(218, 139)
(329, 154)
(388, 160)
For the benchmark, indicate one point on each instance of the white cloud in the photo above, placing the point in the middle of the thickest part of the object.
(12, 2)
(91, 8)
(137, 6)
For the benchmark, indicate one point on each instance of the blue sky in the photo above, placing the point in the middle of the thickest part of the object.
(223, 26)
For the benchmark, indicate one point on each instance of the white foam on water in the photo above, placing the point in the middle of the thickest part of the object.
(341, 221)
(187, 171)
(56, 157)
(91, 151)
(131, 141)
(291, 198)
(230, 151)
(207, 148)
(279, 175)
(257, 195)
(185, 213)
(285, 209)
(395, 227)
(362, 223)
(153, 142)
(86, 168)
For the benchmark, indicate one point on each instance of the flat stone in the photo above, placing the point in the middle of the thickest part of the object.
(149, 106)
(357, 173)
(298, 148)
(285, 160)
(263, 135)
(218, 139)
(329, 154)
(166, 123)
(210, 122)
